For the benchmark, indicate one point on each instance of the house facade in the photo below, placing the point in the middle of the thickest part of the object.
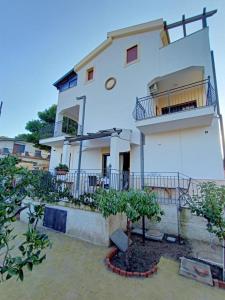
(30, 156)
(150, 105)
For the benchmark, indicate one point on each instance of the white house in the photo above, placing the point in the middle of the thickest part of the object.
(150, 105)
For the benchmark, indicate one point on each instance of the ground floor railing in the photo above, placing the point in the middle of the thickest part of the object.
(170, 187)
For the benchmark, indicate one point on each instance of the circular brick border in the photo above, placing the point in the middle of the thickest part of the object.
(218, 283)
(121, 272)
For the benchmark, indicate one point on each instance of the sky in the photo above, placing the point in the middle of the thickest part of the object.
(40, 40)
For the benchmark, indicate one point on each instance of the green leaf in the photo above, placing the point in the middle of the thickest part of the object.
(21, 276)
(30, 266)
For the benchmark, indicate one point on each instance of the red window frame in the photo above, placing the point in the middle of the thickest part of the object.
(90, 74)
(132, 54)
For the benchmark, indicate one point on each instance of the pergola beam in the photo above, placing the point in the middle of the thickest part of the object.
(184, 21)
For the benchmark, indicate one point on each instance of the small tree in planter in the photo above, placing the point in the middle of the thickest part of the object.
(134, 204)
(62, 169)
(210, 204)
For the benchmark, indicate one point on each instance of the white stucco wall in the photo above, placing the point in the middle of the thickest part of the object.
(192, 151)
(108, 109)
(55, 157)
(86, 225)
(194, 50)
(191, 226)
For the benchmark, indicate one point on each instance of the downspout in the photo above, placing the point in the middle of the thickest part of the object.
(218, 107)
(142, 139)
(222, 136)
(142, 142)
(81, 146)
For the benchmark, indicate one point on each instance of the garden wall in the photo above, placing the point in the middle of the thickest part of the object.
(85, 224)
(192, 227)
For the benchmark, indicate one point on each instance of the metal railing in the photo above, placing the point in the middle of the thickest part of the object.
(58, 129)
(183, 98)
(170, 187)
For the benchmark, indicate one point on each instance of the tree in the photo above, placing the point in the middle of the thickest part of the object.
(45, 122)
(44, 126)
(210, 204)
(134, 204)
(16, 253)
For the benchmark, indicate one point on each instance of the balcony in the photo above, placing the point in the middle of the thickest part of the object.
(61, 128)
(186, 106)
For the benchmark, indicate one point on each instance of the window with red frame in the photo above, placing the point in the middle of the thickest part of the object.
(90, 74)
(132, 54)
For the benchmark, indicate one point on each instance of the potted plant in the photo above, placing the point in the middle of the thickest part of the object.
(62, 169)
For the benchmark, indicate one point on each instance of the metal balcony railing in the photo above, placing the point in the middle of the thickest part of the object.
(183, 98)
(58, 129)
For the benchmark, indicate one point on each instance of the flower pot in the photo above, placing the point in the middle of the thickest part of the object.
(61, 172)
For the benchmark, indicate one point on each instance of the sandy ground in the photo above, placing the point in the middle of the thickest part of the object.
(75, 270)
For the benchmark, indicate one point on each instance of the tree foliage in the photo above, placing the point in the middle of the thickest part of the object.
(210, 204)
(134, 203)
(46, 119)
(18, 252)
(43, 127)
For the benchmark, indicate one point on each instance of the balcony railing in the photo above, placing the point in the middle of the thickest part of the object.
(183, 98)
(60, 128)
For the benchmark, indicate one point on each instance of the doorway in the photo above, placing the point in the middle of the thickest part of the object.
(125, 169)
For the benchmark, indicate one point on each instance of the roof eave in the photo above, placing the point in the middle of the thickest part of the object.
(136, 29)
(63, 77)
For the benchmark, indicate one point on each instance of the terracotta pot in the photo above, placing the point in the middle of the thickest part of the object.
(61, 172)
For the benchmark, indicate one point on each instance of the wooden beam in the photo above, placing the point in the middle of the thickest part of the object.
(202, 17)
(184, 25)
(204, 21)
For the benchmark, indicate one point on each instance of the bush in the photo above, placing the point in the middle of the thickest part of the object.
(15, 185)
(210, 204)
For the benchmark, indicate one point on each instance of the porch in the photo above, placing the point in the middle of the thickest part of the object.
(169, 187)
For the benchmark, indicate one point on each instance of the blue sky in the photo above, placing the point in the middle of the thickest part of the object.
(41, 40)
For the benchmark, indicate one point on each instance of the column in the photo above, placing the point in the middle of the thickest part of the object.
(66, 153)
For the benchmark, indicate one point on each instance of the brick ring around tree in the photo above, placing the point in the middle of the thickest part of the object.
(122, 272)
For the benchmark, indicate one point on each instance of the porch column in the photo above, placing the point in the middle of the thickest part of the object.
(119, 143)
(66, 153)
(114, 153)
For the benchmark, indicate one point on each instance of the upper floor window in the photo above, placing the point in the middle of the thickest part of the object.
(90, 74)
(68, 84)
(132, 54)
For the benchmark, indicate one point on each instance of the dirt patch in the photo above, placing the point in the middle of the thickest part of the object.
(142, 257)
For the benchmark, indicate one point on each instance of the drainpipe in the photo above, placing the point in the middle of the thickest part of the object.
(142, 142)
(222, 136)
(81, 145)
(218, 106)
(142, 159)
